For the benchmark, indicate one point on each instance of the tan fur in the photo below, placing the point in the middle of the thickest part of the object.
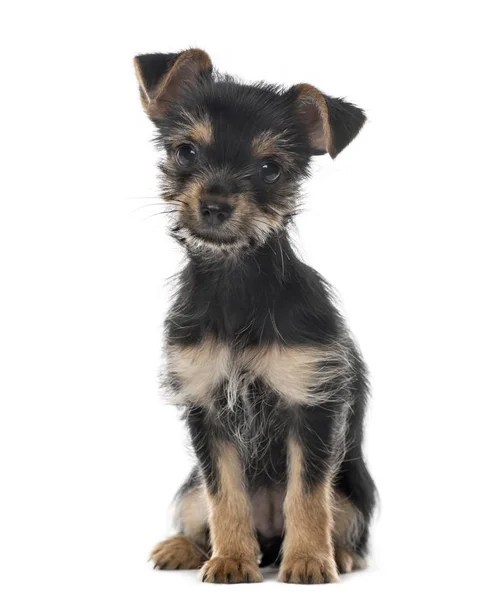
(308, 555)
(201, 132)
(321, 137)
(248, 213)
(199, 368)
(194, 129)
(347, 561)
(246, 216)
(347, 520)
(235, 550)
(265, 143)
(190, 197)
(270, 144)
(193, 513)
(291, 371)
(188, 65)
(144, 94)
(177, 553)
(226, 569)
(231, 526)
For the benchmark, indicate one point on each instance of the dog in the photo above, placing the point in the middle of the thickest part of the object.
(272, 385)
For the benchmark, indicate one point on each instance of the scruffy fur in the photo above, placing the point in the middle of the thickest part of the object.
(272, 385)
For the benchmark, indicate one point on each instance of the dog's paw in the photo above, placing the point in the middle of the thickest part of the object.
(308, 570)
(230, 570)
(347, 561)
(177, 553)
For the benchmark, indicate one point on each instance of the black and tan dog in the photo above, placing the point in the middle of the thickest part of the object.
(272, 384)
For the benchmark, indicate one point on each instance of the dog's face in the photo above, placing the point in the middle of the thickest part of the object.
(235, 154)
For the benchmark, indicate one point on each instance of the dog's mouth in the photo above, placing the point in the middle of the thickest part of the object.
(210, 226)
(206, 239)
(231, 236)
(214, 237)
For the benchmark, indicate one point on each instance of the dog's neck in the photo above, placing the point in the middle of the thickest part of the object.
(240, 273)
(266, 296)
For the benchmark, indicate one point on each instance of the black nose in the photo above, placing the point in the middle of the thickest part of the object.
(214, 210)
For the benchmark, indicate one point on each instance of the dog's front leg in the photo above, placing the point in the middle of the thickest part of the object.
(307, 552)
(235, 549)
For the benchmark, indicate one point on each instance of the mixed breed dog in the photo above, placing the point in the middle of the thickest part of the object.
(272, 385)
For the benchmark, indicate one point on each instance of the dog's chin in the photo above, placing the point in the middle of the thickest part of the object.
(210, 241)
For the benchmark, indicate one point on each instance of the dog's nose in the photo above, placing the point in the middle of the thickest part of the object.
(214, 210)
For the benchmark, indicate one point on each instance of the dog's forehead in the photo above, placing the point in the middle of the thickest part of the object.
(237, 115)
(245, 104)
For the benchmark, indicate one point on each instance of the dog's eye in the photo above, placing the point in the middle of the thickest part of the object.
(186, 155)
(270, 171)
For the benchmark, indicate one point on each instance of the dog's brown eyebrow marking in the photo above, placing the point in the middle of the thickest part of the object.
(267, 143)
(201, 131)
(197, 129)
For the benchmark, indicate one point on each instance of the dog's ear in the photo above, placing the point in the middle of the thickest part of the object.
(162, 76)
(331, 123)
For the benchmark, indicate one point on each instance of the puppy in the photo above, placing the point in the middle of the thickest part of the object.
(273, 387)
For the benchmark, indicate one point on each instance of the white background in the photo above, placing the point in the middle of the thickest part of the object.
(406, 223)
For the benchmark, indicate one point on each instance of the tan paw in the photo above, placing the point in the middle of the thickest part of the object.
(347, 561)
(177, 553)
(308, 570)
(230, 570)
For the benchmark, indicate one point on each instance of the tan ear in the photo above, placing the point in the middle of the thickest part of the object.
(312, 108)
(331, 123)
(162, 76)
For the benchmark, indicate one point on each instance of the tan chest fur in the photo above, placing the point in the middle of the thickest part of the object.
(199, 370)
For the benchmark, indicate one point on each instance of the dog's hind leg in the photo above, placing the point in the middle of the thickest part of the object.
(353, 503)
(189, 549)
(348, 528)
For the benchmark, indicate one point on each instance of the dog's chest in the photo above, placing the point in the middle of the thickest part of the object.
(203, 373)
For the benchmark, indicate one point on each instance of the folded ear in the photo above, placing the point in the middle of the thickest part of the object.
(162, 76)
(331, 123)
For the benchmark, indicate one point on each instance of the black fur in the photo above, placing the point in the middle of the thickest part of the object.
(268, 295)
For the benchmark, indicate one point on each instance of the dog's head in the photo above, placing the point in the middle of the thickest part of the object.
(235, 154)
